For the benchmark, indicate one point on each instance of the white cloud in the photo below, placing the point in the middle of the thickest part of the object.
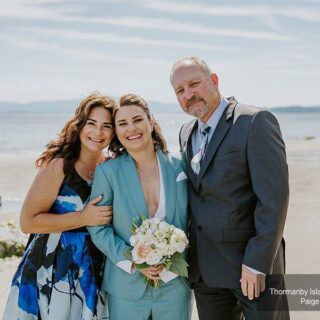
(116, 38)
(310, 15)
(28, 43)
(23, 9)
(78, 57)
(88, 54)
(75, 53)
(242, 10)
(176, 26)
(33, 12)
(36, 9)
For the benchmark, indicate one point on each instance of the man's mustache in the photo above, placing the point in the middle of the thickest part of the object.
(192, 100)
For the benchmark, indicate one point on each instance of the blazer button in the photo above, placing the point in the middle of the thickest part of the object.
(202, 198)
(199, 227)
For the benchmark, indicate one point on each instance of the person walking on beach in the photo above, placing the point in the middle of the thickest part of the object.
(59, 276)
(238, 197)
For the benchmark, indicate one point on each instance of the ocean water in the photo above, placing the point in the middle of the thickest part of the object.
(30, 132)
(22, 133)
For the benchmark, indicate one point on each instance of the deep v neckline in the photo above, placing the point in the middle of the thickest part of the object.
(139, 185)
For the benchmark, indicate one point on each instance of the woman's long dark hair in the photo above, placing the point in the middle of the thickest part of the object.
(68, 145)
(130, 99)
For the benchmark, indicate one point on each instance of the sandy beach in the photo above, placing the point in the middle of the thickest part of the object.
(302, 227)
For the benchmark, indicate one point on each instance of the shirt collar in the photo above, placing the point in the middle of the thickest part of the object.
(215, 117)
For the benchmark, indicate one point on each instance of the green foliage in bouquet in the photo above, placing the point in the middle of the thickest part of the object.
(177, 264)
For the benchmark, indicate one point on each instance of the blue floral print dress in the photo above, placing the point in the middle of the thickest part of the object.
(59, 276)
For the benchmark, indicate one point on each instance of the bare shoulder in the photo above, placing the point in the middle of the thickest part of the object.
(53, 169)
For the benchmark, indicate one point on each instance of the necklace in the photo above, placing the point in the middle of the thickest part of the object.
(87, 169)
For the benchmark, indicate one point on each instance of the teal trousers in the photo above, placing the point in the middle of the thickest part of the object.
(172, 301)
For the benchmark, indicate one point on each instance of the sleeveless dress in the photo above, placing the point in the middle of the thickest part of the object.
(60, 274)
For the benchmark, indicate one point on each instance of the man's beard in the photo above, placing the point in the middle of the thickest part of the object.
(199, 111)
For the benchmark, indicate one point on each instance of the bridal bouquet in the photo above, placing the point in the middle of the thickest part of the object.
(157, 242)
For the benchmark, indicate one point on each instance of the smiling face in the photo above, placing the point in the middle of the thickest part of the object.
(196, 90)
(98, 131)
(133, 128)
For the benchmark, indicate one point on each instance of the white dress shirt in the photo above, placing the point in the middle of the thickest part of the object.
(212, 123)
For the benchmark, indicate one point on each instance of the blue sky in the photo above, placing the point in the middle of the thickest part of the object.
(265, 52)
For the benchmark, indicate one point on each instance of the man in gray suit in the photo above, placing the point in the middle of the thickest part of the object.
(238, 197)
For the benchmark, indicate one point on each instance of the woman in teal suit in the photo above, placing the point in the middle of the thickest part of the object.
(143, 180)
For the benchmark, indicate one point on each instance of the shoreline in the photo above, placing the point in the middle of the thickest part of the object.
(21, 166)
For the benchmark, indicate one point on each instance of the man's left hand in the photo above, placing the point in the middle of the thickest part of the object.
(252, 284)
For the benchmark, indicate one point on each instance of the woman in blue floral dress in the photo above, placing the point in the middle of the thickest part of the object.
(59, 276)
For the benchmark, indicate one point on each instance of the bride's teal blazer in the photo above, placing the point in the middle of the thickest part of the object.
(117, 180)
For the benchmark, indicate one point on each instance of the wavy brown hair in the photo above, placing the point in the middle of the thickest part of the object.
(130, 99)
(68, 145)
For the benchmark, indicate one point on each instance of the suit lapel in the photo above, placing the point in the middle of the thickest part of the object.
(135, 189)
(187, 148)
(187, 133)
(169, 184)
(136, 192)
(220, 132)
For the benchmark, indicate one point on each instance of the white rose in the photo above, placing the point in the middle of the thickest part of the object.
(154, 225)
(178, 243)
(179, 233)
(147, 238)
(154, 257)
(166, 249)
(164, 226)
(134, 239)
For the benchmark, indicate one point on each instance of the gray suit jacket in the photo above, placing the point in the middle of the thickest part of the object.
(239, 200)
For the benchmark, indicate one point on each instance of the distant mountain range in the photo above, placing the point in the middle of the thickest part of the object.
(68, 106)
(296, 109)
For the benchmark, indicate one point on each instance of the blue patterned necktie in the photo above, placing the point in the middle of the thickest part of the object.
(197, 159)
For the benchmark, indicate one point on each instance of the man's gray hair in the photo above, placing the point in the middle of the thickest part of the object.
(200, 62)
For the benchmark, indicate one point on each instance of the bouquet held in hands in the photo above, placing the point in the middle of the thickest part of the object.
(155, 243)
